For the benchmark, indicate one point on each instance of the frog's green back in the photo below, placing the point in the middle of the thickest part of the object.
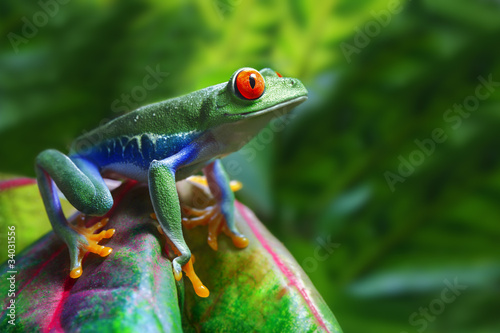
(183, 114)
(219, 108)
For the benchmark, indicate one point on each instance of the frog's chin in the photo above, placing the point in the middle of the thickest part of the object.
(280, 108)
(231, 135)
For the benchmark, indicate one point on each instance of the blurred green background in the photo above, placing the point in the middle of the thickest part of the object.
(385, 185)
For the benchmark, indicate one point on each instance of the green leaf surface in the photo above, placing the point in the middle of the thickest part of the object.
(259, 288)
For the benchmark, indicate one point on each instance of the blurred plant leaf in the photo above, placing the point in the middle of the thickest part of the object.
(63, 89)
(442, 221)
(21, 207)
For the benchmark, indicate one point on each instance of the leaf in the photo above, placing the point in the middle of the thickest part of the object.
(258, 288)
(131, 290)
(261, 288)
(21, 207)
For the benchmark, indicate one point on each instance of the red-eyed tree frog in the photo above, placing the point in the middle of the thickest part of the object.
(160, 144)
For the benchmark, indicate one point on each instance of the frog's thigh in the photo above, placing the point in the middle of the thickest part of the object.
(101, 201)
(78, 180)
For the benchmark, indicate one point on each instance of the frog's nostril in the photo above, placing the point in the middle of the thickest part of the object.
(291, 82)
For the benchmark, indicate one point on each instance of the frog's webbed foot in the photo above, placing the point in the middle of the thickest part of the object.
(188, 268)
(86, 241)
(213, 217)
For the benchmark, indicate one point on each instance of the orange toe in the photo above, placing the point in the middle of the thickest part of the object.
(240, 242)
(199, 288)
(93, 240)
(76, 272)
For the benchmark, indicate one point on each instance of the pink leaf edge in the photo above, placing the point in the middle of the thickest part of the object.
(292, 278)
(16, 182)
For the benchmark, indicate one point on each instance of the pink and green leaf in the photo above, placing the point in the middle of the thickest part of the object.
(259, 288)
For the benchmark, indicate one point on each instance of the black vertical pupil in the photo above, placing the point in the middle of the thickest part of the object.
(251, 78)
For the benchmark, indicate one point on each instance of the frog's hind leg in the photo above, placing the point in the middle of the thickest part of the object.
(82, 184)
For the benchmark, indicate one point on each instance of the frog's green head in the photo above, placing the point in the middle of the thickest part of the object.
(253, 93)
(249, 101)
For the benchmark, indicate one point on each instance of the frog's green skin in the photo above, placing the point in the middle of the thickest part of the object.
(160, 144)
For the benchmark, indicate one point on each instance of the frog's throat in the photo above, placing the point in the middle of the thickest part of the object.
(285, 106)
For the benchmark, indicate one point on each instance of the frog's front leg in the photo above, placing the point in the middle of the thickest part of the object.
(163, 192)
(220, 217)
(81, 183)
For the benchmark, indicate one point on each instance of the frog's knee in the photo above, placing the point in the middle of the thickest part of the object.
(48, 157)
(99, 205)
(47, 152)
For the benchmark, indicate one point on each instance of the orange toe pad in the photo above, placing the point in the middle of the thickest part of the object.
(93, 240)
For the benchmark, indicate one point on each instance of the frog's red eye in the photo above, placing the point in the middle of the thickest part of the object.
(249, 83)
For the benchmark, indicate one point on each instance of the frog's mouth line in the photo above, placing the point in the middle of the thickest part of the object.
(286, 105)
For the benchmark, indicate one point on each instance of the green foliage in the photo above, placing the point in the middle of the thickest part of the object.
(22, 208)
(323, 178)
